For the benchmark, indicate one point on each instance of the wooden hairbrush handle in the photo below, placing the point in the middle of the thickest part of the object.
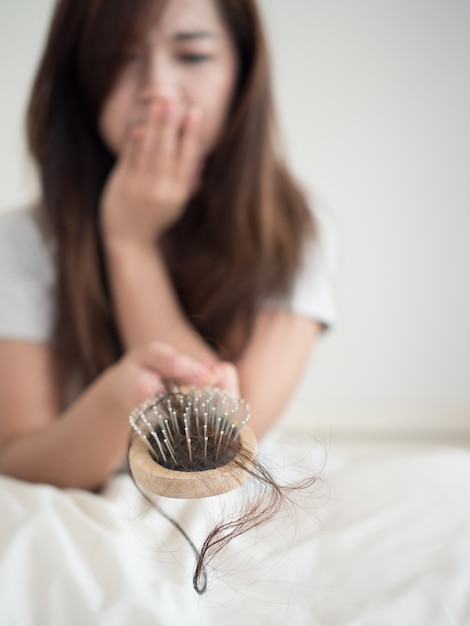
(159, 480)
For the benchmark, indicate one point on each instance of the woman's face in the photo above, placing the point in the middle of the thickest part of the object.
(189, 57)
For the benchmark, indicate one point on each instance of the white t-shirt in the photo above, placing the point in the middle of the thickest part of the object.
(27, 278)
(28, 275)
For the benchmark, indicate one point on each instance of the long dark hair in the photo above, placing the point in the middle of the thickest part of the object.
(241, 237)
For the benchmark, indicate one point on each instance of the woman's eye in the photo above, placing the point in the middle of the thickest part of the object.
(194, 58)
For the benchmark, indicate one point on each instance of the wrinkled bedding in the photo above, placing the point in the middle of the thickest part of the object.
(378, 540)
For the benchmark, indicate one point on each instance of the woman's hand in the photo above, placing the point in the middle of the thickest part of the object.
(142, 372)
(148, 189)
(84, 444)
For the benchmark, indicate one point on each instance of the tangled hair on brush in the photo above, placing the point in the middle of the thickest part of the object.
(265, 499)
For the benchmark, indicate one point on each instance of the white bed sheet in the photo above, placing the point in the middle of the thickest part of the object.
(382, 540)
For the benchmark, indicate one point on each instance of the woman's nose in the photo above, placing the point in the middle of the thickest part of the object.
(159, 81)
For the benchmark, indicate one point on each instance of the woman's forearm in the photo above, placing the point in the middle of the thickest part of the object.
(80, 448)
(145, 302)
(84, 444)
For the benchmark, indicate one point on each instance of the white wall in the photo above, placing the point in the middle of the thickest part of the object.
(374, 98)
(23, 26)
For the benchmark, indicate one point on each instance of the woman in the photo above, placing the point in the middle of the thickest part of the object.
(167, 222)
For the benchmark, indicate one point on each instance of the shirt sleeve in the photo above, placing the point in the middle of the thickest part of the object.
(27, 278)
(314, 293)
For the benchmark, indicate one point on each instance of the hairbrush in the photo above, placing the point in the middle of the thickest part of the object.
(192, 442)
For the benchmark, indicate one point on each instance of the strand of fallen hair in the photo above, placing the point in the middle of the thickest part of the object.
(255, 513)
(199, 582)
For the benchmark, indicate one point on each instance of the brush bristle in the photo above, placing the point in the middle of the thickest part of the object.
(191, 429)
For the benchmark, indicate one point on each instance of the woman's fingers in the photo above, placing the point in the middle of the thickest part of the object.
(152, 135)
(189, 147)
(165, 151)
(153, 178)
(226, 377)
(131, 151)
(168, 363)
(156, 144)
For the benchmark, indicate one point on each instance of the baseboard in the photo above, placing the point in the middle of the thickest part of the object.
(385, 425)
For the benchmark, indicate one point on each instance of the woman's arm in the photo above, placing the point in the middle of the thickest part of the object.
(145, 194)
(145, 302)
(83, 445)
(38, 443)
(272, 364)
